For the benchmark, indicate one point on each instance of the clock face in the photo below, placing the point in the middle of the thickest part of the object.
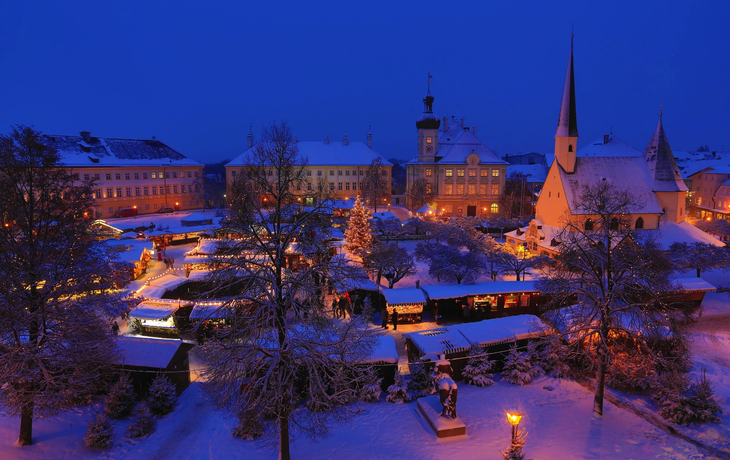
(429, 149)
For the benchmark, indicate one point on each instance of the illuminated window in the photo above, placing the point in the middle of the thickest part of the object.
(459, 211)
(449, 208)
(495, 189)
(449, 172)
(429, 140)
(472, 189)
(460, 173)
(459, 189)
(472, 173)
(154, 175)
(495, 173)
(428, 172)
(449, 189)
(484, 172)
(482, 189)
(494, 208)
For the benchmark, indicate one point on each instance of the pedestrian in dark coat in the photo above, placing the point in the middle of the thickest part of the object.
(334, 306)
(394, 317)
(384, 317)
(343, 306)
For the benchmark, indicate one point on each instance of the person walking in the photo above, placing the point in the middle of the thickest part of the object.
(394, 317)
(343, 307)
(384, 318)
(334, 306)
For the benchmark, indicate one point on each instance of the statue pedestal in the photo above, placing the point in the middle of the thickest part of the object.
(445, 427)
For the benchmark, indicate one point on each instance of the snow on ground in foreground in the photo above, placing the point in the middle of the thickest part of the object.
(559, 423)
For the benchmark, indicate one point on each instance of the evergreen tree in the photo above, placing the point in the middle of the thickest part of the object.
(100, 432)
(477, 371)
(162, 396)
(120, 402)
(398, 392)
(358, 235)
(518, 368)
(143, 424)
(683, 401)
(555, 358)
(421, 382)
(702, 398)
(533, 356)
(514, 452)
(371, 391)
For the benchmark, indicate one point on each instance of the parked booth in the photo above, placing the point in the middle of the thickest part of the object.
(691, 291)
(435, 342)
(157, 317)
(145, 358)
(498, 335)
(408, 301)
(384, 358)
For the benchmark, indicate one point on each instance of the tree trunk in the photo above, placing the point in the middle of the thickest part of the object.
(600, 383)
(26, 426)
(698, 273)
(284, 453)
(518, 275)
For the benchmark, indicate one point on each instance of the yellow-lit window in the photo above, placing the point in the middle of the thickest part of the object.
(449, 189)
(472, 173)
(460, 172)
(484, 172)
(459, 189)
(482, 189)
(495, 173)
(429, 140)
(429, 172)
(472, 189)
(449, 172)
(495, 189)
(494, 208)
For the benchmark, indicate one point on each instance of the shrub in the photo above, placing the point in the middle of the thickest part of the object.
(120, 402)
(477, 371)
(162, 396)
(398, 392)
(143, 424)
(100, 432)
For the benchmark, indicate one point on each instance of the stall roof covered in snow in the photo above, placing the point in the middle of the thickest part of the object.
(453, 291)
(203, 311)
(153, 310)
(167, 281)
(438, 341)
(328, 154)
(385, 215)
(75, 151)
(502, 330)
(152, 292)
(404, 296)
(130, 250)
(384, 351)
(695, 284)
(147, 352)
(196, 218)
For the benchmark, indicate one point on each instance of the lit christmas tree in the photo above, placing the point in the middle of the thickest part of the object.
(358, 234)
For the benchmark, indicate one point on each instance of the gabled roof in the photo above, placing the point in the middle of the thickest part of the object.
(709, 167)
(661, 163)
(457, 143)
(319, 153)
(100, 152)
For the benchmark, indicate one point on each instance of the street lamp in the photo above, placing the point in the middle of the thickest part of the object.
(514, 420)
(518, 438)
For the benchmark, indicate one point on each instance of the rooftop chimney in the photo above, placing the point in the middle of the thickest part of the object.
(462, 122)
(326, 139)
(250, 137)
(446, 124)
(86, 135)
(370, 138)
(606, 138)
(474, 130)
(344, 140)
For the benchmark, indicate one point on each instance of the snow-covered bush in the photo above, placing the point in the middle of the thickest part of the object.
(398, 392)
(120, 402)
(249, 427)
(100, 432)
(371, 391)
(534, 357)
(143, 423)
(518, 369)
(683, 401)
(477, 371)
(421, 382)
(555, 357)
(162, 396)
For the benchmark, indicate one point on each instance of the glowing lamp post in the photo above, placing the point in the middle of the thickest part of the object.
(514, 420)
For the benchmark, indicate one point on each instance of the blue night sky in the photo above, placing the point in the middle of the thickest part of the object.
(197, 74)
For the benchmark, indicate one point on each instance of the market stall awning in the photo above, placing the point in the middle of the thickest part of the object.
(152, 292)
(153, 310)
(404, 296)
(694, 284)
(209, 311)
(438, 341)
(454, 291)
(502, 330)
(168, 282)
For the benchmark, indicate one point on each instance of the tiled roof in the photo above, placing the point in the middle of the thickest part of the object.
(329, 154)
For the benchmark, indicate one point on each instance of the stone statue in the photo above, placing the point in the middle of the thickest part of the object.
(448, 391)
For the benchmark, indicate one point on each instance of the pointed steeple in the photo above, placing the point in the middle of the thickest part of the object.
(661, 162)
(568, 122)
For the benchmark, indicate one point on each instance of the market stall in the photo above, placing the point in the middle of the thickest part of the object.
(384, 359)
(408, 301)
(156, 317)
(448, 341)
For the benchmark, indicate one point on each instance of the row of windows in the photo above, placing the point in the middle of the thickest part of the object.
(471, 172)
(154, 206)
(319, 173)
(128, 176)
(145, 191)
(449, 208)
(472, 190)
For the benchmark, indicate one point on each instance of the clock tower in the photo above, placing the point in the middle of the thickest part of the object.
(428, 129)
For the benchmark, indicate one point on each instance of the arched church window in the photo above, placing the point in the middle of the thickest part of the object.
(570, 148)
(639, 223)
(614, 224)
(589, 224)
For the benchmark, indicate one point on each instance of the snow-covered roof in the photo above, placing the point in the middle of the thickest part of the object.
(319, 153)
(404, 296)
(198, 275)
(661, 163)
(384, 351)
(168, 281)
(711, 167)
(502, 330)
(384, 215)
(438, 341)
(695, 284)
(683, 232)
(615, 147)
(150, 309)
(152, 292)
(147, 352)
(197, 217)
(453, 291)
(130, 250)
(209, 311)
(457, 143)
(104, 152)
(425, 210)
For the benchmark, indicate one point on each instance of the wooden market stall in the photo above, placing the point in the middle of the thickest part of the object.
(157, 317)
(433, 343)
(384, 359)
(498, 335)
(408, 301)
(145, 358)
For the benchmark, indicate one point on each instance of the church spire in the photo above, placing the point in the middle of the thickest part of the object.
(428, 120)
(568, 122)
(661, 162)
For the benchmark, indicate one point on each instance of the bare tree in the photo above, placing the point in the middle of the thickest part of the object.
(377, 188)
(699, 256)
(55, 280)
(604, 284)
(518, 260)
(421, 193)
(391, 262)
(284, 364)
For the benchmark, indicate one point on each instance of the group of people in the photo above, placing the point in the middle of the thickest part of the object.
(472, 314)
(339, 307)
(393, 318)
(169, 262)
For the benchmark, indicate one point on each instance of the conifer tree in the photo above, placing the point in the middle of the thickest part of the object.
(371, 390)
(398, 392)
(143, 424)
(162, 396)
(100, 432)
(120, 402)
(421, 382)
(358, 235)
(518, 368)
(477, 371)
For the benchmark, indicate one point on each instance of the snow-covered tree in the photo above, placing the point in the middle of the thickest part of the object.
(420, 382)
(398, 392)
(99, 432)
(699, 256)
(605, 284)
(390, 261)
(514, 451)
(56, 282)
(449, 263)
(274, 360)
(415, 226)
(120, 401)
(522, 366)
(683, 401)
(391, 229)
(371, 390)
(534, 357)
(376, 189)
(477, 372)
(358, 234)
(143, 423)
(161, 396)
(250, 426)
(555, 356)
(518, 259)
(421, 193)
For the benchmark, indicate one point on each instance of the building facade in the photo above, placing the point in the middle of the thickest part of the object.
(711, 193)
(340, 168)
(463, 176)
(140, 175)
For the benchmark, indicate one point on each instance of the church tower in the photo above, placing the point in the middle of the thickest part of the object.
(668, 185)
(428, 129)
(566, 136)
